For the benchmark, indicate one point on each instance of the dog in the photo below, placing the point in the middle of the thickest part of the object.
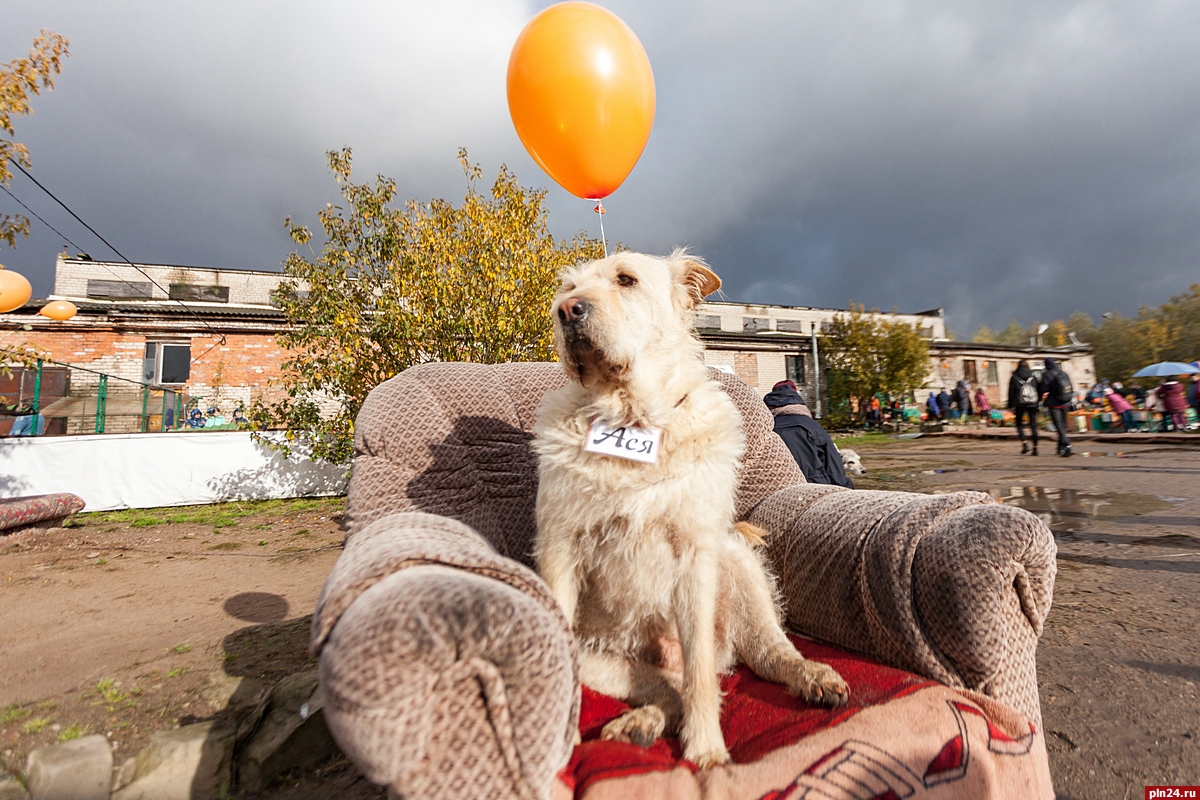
(852, 463)
(642, 552)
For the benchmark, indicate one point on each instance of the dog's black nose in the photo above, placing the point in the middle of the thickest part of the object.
(573, 310)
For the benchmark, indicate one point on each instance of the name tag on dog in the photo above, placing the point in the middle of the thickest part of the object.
(630, 441)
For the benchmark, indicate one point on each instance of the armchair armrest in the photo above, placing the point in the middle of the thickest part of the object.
(432, 645)
(953, 587)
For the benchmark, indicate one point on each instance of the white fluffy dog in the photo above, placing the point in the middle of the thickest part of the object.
(638, 552)
(852, 463)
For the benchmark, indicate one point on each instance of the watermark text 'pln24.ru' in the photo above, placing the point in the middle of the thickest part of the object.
(1168, 792)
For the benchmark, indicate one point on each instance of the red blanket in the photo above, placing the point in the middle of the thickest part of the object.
(762, 723)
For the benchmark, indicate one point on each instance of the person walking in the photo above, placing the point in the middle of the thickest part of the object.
(1121, 406)
(1023, 397)
(983, 406)
(1058, 392)
(1171, 395)
(807, 441)
(962, 399)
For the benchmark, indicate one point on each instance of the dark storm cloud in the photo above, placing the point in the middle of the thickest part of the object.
(1017, 159)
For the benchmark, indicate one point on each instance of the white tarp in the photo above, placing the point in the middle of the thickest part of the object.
(147, 470)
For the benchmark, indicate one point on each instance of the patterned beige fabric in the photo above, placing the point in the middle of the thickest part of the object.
(448, 668)
(448, 671)
(954, 587)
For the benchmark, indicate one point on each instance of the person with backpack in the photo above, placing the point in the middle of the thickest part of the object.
(1023, 398)
(1058, 392)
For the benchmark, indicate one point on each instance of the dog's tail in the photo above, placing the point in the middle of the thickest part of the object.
(754, 535)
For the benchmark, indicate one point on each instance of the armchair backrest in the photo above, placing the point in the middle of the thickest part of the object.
(454, 439)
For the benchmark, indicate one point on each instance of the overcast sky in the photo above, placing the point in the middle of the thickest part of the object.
(1020, 159)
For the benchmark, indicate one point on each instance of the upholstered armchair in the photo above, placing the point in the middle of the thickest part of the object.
(449, 671)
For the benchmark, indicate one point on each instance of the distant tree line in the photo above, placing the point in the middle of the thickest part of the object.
(1122, 345)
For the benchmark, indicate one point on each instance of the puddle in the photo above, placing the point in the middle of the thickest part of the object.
(1070, 510)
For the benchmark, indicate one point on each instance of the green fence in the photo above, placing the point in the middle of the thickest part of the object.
(56, 398)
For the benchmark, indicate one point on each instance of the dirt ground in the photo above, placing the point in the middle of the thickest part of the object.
(118, 624)
(1119, 661)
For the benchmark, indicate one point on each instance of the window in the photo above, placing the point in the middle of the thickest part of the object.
(167, 362)
(755, 324)
(993, 376)
(203, 294)
(708, 322)
(970, 375)
(115, 290)
(795, 369)
(793, 325)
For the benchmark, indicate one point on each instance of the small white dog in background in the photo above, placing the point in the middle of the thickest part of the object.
(852, 463)
(638, 465)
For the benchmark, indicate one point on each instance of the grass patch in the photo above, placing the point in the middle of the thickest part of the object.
(12, 714)
(182, 648)
(866, 440)
(262, 542)
(225, 515)
(111, 693)
(226, 546)
(177, 671)
(302, 532)
(71, 732)
(35, 725)
(46, 705)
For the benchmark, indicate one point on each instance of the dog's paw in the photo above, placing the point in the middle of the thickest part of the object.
(640, 726)
(819, 684)
(708, 757)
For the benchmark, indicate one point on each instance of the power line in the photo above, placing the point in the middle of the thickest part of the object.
(39, 219)
(219, 336)
(68, 241)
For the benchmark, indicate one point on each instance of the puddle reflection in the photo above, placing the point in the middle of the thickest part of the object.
(1069, 510)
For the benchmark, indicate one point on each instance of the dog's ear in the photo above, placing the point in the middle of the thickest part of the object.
(698, 280)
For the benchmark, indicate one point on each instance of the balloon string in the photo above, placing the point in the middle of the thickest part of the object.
(599, 209)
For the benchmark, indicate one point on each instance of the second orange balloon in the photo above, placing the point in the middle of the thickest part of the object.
(581, 95)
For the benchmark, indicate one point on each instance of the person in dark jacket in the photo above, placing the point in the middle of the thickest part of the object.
(943, 399)
(1056, 388)
(962, 399)
(808, 442)
(1024, 394)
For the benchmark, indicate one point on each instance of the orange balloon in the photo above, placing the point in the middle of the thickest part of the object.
(581, 95)
(14, 290)
(60, 310)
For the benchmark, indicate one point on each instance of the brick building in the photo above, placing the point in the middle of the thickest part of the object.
(205, 335)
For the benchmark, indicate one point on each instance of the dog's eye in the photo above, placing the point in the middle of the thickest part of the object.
(626, 280)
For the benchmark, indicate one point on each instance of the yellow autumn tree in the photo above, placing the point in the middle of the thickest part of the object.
(395, 286)
(20, 79)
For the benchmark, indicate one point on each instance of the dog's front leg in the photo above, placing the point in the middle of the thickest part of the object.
(695, 612)
(559, 567)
